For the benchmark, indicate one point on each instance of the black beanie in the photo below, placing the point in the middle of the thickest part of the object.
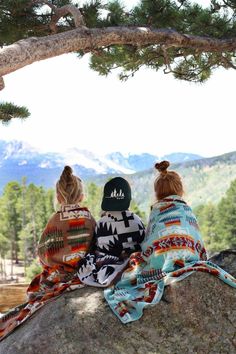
(116, 195)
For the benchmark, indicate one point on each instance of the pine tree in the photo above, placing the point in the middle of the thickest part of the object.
(226, 228)
(11, 222)
(93, 198)
(178, 36)
(218, 222)
(207, 220)
(24, 212)
(38, 207)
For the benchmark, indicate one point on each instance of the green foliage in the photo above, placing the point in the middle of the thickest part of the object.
(10, 217)
(24, 212)
(93, 198)
(182, 16)
(33, 270)
(24, 18)
(135, 209)
(117, 15)
(8, 111)
(4, 245)
(227, 217)
(218, 222)
(21, 19)
(37, 206)
(92, 13)
(207, 219)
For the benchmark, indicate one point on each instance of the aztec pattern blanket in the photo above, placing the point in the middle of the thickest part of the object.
(117, 235)
(64, 242)
(172, 250)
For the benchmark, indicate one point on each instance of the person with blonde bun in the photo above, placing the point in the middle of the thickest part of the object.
(68, 234)
(172, 249)
(64, 242)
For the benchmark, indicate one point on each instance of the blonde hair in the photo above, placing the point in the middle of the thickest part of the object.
(69, 187)
(168, 182)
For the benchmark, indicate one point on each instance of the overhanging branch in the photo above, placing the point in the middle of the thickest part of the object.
(28, 51)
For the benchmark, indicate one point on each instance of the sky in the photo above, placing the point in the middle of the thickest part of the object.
(72, 106)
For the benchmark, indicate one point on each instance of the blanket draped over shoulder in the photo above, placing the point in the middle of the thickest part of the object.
(172, 249)
(64, 242)
(117, 235)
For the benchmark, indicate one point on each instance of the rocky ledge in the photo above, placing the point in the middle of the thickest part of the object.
(196, 315)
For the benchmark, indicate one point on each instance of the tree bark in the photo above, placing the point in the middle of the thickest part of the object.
(30, 50)
(59, 12)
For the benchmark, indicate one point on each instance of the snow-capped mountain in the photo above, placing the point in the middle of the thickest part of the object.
(99, 164)
(144, 161)
(18, 159)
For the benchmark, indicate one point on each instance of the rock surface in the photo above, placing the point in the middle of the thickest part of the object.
(197, 315)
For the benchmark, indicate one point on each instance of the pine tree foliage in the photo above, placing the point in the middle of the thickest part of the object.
(207, 219)
(217, 21)
(218, 222)
(9, 110)
(93, 198)
(227, 217)
(24, 212)
(28, 18)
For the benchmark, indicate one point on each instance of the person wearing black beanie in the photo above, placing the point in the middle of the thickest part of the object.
(118, 233)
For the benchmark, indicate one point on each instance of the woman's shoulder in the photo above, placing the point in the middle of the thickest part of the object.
(53, 218)
(70, 213)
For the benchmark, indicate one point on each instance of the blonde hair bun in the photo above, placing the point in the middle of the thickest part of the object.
(67, 174)
(162, 166)
(69, 187)
(68, 170)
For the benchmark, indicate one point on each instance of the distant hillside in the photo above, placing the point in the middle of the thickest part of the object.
(205, 180)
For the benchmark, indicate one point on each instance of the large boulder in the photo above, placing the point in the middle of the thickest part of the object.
(196, 315)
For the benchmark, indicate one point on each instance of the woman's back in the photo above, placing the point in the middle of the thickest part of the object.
(173, 233)
(67, 236)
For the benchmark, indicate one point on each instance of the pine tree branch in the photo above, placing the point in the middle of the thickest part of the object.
(227, 63)
(30, 50)
(63, 11)
(59, 12)
(166, 59)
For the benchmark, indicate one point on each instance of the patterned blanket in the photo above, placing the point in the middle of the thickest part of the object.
(64, 242)
(117, 235)
(172, 250)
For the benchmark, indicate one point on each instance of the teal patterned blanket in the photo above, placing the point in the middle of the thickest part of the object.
(172, 250)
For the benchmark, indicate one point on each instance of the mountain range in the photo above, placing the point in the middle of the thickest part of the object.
(18, 159)
(205, 179)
